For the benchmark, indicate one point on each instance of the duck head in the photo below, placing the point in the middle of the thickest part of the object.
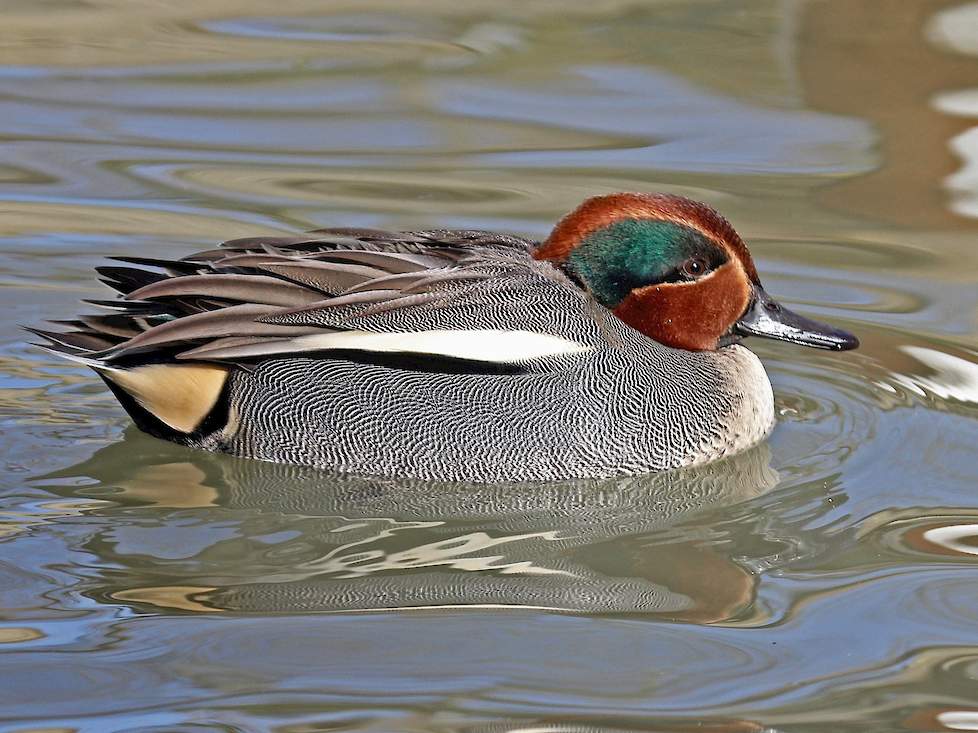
(677, 271)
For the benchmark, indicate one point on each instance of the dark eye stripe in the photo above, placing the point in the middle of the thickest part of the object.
(634, 253)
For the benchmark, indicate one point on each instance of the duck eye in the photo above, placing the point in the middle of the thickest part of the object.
(694, 267)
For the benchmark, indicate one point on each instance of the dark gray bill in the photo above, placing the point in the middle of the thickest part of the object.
(768, 318)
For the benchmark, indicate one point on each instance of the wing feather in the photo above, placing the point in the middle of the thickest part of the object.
(241, 288)
(235, 320)
(328, 277)
(461, 294)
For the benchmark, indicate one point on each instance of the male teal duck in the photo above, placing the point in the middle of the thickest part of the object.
(611, 348)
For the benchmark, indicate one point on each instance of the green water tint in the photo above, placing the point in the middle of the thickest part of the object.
(823, 581)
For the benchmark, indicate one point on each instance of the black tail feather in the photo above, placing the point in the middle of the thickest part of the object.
(127, 279)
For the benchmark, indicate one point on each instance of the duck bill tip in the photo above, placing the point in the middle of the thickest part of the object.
(767, 318)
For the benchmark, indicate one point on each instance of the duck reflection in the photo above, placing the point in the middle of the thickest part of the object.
(280, 538)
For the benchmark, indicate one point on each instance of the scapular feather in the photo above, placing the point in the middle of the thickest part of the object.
(243, 288)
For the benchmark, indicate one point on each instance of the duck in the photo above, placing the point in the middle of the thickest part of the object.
(611, 348)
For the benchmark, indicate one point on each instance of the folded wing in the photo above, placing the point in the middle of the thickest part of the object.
(465, 295)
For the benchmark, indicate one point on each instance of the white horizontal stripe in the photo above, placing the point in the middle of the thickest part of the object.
(482, 345)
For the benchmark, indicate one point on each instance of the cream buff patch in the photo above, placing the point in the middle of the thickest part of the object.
(179, 395)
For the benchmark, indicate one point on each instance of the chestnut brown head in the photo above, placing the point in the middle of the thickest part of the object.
(677, 271)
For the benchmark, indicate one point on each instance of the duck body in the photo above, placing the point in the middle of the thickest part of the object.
(450, 355)
(618, 403)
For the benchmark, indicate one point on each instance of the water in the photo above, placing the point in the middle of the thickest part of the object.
(823, 581)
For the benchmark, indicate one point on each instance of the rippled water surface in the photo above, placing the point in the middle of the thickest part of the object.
(824, 581)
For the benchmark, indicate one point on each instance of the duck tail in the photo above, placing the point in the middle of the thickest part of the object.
(168, 400)
(79, 346)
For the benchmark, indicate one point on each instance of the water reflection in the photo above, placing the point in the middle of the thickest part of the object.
(912, 137)
(932, 534)
(954, 28)
(250, 536)
(950, 377)
(663, 724)
(958, 719)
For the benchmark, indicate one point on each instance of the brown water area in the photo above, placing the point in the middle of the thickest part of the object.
(823, 581)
